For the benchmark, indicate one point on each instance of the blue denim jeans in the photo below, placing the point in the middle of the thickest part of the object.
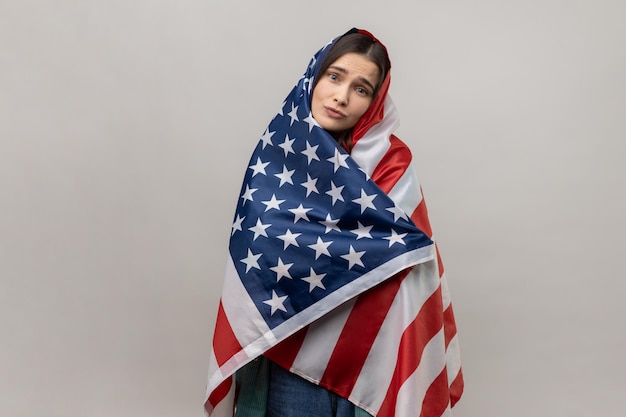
(292, 396)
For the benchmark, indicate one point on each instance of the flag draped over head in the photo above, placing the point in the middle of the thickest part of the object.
(332, 271)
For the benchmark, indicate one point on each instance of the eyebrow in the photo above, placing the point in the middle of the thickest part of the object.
(362, 79)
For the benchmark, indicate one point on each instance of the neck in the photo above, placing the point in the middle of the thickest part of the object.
(343, 138)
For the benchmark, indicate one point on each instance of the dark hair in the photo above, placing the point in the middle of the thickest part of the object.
(361, 44)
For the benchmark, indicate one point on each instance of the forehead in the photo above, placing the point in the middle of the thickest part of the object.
(357, 66)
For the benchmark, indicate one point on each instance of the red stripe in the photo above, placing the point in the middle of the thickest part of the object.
(437, 396)
(456, 388)
(393, 165)
(286, 351)
(420, 218)
(218, 394)
(225, 343)
(358, 335)
(414, 339)
(439, 262)
(449, 325)
(375, 113)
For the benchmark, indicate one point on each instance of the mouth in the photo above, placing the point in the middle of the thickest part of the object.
(334, 113)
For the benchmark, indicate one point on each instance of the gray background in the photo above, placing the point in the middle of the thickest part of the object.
(125, 130)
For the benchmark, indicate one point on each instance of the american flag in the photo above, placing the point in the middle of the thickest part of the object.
(332, 272)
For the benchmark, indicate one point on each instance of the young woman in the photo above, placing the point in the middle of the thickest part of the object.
(334, 302)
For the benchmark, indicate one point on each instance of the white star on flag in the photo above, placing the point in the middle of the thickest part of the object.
(251, 261)
(395, 238)
(353, 258)
(272, 203)
(321, 247)
(398, 213)
(276, 303)
(237, 224)
(267, 137)
(314, 280)
(338, 160)
(259, 167)
(293, 114)
(259, 229)
(309, 184)
(311, 121)
(300, 213)
(310, 152)
(282, 270)
(247, 194)
(289, 239)
(286, 145)
(285, 176)
(362, 231)
(365, 201)
(330, 224)
(335, 192)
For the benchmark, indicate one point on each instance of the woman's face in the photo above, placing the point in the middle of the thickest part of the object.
(344, 92)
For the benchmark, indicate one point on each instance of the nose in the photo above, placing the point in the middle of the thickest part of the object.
(341, 96)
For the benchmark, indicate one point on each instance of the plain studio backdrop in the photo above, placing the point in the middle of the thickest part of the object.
(126, 128)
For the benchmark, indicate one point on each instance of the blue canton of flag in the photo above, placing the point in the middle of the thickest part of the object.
(308, 220)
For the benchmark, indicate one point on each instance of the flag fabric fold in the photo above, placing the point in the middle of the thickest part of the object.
(332, 271)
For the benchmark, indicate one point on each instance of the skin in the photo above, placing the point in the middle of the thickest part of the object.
(344, 92)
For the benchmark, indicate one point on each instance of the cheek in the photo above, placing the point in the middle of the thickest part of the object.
(315, 104)
(316, 97)
(363, 105)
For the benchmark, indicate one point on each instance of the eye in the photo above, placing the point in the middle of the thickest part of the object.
(333, 76)
(362, 91)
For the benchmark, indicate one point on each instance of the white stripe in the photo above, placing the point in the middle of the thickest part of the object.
(411, 394)
(445, 292)
(214, 377)
(380, 364)
(406, 191)
(372, 147)
(319, 343)
(453, 359)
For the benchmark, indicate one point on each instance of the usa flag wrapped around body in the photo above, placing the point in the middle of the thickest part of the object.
(332, 271)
